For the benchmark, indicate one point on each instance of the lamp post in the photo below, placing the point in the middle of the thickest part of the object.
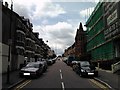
(47, 56)
(9, 42)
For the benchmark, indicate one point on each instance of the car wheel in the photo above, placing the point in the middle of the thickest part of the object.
(96, 75)
(80, 74)
(21, 76)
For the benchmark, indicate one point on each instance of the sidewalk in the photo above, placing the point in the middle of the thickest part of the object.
(14, 79)
(111, 79)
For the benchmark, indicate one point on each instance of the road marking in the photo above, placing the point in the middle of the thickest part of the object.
(60, 70)
(22, 85)
(104, 83)
(63, 87)
(61, 76)
(25, 84)
(98, 84)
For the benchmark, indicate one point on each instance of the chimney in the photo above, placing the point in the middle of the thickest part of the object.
(80, 26)
(6, 4)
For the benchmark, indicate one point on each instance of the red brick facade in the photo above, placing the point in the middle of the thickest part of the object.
(80, 41)
(78, 48)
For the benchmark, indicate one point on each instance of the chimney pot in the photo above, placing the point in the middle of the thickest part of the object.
(6, 4)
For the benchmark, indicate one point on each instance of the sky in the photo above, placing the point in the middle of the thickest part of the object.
(56, 22)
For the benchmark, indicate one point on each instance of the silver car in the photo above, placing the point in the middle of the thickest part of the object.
(32, 69)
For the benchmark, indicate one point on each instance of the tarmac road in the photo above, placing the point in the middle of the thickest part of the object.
(59, 76)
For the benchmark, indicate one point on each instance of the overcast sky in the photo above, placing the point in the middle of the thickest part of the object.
(56, 22)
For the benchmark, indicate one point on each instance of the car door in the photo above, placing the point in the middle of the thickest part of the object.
(40, 68)
(77, 68)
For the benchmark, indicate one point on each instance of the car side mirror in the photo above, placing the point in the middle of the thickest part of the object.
(79, 65)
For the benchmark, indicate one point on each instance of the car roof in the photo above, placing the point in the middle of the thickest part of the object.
(83, 61)
(34, 63)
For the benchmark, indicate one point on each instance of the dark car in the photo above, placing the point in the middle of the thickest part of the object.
(74, 65)
(32, 69)
(65, 59)
(49, 61)
(84, 68)
(69, 60)
(54, 60)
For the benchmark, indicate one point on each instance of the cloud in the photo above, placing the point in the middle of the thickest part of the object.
(39, 9)
(35, 9)
(49, 10)
(45, 21)
(47, 18)
(59, 35)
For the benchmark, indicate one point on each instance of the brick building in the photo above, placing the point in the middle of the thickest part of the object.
(78, 49)
(17, 33)
(80, 42)
(70, 51)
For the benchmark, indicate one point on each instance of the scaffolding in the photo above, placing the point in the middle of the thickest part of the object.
(96, 43)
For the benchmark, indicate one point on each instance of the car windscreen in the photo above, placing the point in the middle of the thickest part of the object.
(70, 58)
(84, 63)
(35, 65)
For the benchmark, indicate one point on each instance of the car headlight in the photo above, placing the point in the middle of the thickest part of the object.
(82, 70)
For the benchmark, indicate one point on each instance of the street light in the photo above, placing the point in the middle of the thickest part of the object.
(9, 42)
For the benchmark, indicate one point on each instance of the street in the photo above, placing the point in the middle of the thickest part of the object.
(59, 76)
(83, 37)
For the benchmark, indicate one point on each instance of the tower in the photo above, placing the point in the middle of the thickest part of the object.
(80, 41)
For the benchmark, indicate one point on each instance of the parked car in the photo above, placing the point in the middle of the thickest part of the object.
(32, 69)
(74, 65)
(65, 59)
(54, 60)
(74, 62)
(69, 60)
(44, 63)
(49, 61)
(84, 68)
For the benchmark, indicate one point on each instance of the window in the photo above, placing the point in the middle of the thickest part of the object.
(20, 37)
(84, 63)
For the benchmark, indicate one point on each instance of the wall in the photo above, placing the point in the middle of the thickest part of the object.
(0, 45)
(0, 37)
(6, 22)
(20, 61)
(0, 57)
(4, 57)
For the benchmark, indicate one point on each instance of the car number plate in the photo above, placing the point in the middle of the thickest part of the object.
(90, 73)
(26, 73)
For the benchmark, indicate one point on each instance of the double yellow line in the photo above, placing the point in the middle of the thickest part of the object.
(20, 86)
(103, 87)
